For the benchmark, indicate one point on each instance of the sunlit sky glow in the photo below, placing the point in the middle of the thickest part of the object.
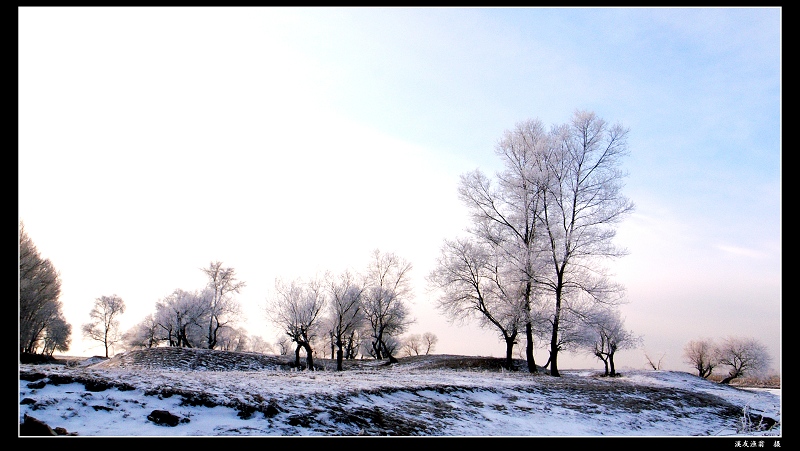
(285, 142)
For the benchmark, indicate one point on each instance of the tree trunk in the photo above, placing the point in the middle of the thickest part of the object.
(529, 348)
(510, 352)
(297, 356)
(611, 362)
(388, 353)
(554, 337)
(339, 357)
(309, 356)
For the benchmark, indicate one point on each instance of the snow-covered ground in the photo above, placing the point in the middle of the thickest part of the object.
(253, 395)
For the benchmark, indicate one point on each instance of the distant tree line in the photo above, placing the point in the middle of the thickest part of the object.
(356, 315)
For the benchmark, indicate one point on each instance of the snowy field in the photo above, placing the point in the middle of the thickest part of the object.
(216, 393)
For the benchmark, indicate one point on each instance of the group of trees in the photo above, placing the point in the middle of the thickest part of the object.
(42, 326)
(195, 319)
(364, 313)
(359, 313)
(416, 344)
(530, 267)
(742, 356)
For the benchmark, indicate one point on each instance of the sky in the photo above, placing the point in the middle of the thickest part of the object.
(471, 403)
(286, 142)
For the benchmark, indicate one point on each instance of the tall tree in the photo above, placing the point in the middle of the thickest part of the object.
(39, 304)
(388, 289)
(580, 205)
(296, 308)
(222, 308)
(103, 325)
(508, 215)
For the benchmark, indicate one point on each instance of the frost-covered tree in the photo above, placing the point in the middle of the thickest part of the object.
(233, 339)
(506, 215)
(429, 340)
(743, 356)
(222, 308)
(581, 204)
(473, 285)
(606, 335)
(40, 309)
(103, 325)
(180, 317)
(412, 345)
(550, 215)
(702, 355)
(261, 346)
(353, 343)
(296, 308)
(283, 344)
(387, 291)
(57, 336)
(346, 312)
(145, 334)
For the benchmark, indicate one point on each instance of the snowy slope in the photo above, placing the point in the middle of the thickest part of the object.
(215, 393)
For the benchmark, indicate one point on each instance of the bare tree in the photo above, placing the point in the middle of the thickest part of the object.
(429, 340)
(654, 364)
(743, 356)
(353, 344)
(387, 289)
(412, 345)
(283, 344)
(222, 283)
(702, 355)
(40, 309)
(346, 312)
(296, 308)
(103, 325)
(472, 285)
(580, 206)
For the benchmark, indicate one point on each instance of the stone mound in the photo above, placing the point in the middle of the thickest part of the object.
(189, 359)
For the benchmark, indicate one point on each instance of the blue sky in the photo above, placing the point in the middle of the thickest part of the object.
(284, 142)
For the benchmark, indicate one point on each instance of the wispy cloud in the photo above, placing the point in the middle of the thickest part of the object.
(743, 251)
